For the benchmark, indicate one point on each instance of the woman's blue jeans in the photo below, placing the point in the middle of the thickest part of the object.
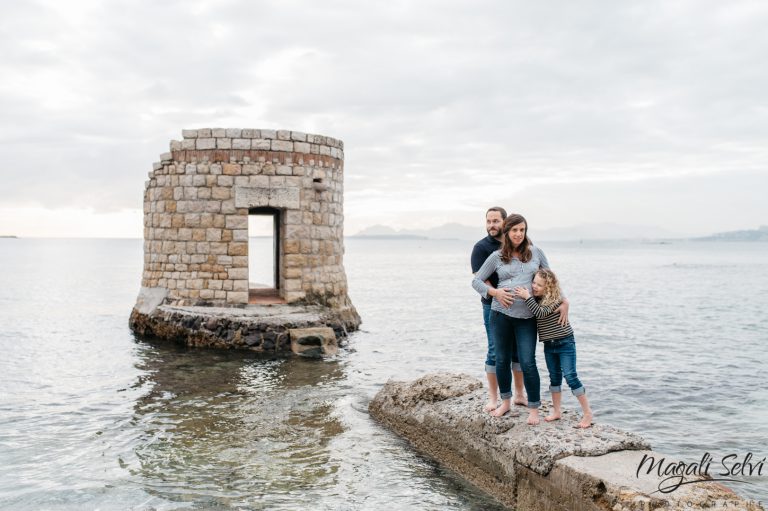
(560, 356)
(516, 336)
(490, 356)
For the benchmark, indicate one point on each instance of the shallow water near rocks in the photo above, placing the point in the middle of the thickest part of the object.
(92, 417)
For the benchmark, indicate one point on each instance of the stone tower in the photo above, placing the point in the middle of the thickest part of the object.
(196, 208)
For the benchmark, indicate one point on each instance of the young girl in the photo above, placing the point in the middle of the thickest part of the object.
(559, 344)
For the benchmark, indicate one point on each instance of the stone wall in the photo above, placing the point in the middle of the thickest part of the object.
(196, 206)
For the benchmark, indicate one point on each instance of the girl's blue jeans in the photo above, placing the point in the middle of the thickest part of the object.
(516, 336)
(560, 356)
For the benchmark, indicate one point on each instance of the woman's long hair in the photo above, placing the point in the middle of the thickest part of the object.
(552, 294)
(506, 245)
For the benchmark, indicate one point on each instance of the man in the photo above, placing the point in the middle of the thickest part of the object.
(494, 219)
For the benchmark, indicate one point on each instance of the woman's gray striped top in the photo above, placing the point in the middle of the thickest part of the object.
(547, 321)
(511, 275)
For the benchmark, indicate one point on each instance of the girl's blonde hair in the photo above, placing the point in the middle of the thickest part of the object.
(552, 294)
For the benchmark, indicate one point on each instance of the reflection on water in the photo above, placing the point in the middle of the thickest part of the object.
(234, 426)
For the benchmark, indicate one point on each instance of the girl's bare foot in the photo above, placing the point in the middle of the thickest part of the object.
(554, 416)
(491, 405)
(586, 421)
(521, 400)
(533, 417)
(504, 408)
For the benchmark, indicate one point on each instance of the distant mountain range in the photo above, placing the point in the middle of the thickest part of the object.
(760, 234)
(597, 231)
(579, 232)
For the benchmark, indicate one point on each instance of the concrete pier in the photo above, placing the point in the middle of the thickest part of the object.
(548, 467)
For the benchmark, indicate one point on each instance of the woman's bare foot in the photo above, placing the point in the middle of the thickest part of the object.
(501, 410)
(491, 405)
(586, 421)
(520, 400)
(533, 417)
(554, 416)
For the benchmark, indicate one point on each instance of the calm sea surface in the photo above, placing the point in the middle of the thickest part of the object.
(672, 343)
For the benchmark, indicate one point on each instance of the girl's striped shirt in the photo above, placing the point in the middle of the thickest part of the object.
(547, 321)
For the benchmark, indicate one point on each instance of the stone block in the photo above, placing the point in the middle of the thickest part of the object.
(228, 207)
(295, 261)
(301, 147)
(237, 297)
(251, 169)
(238, 273)
(235, 133)
(231, 169)
(258, 181)
(298, 136)
(237, 222)
(212, 206)
(225, 180)
(221, 193)
(249, 133)
(282, 145)
(218, 133)
(212, 234)
(250, 197)
(292, 273)
(238, 249)
(313, 342)
(188, 144)
(224, 143)
(292, 285)
(261, 144)
(205, 143)
(189, 133)
(294, 296)
(219, 248)
(270, 134)
(241, 143)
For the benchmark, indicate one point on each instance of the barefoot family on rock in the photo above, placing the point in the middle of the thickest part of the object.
(521, 299)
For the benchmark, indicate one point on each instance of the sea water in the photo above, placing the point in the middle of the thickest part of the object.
(672, 344)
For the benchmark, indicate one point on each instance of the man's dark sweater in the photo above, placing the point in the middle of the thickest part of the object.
(480, 253)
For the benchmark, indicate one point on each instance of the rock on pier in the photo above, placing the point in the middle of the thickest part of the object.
(548, 467)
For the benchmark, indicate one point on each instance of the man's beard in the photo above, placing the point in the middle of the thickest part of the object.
(493, 233)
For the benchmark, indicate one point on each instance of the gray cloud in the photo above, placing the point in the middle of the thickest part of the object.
(437, 102)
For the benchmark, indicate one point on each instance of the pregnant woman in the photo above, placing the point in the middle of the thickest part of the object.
(512, 323)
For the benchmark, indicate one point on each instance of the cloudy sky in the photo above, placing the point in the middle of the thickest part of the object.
(651, 113)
